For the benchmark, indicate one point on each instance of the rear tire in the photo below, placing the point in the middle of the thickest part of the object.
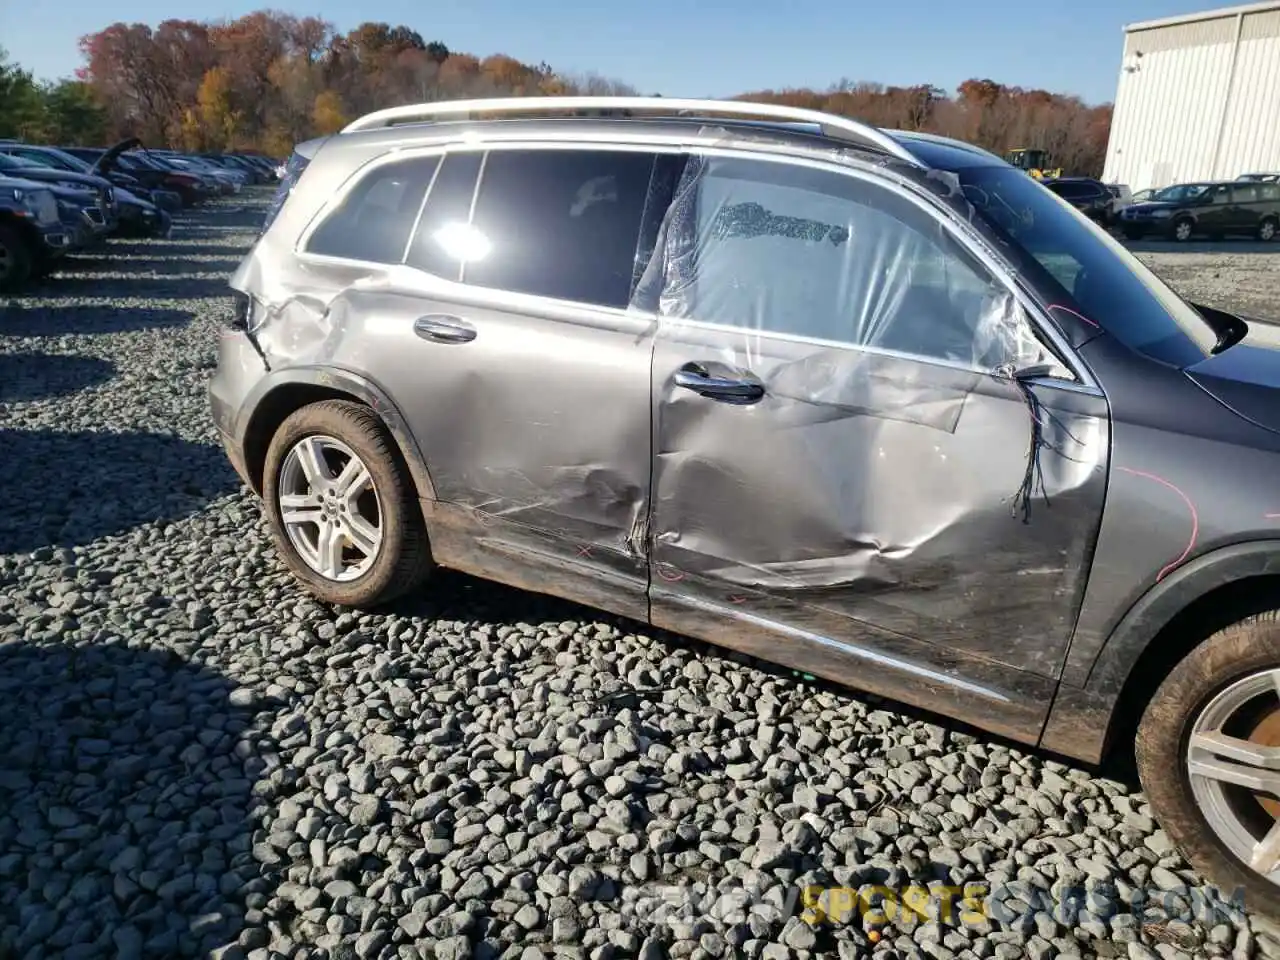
(1230, 663)
(1268, 229)
(16, 260)
(402, 558)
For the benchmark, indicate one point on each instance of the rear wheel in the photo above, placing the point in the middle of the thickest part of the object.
(1267, 229)
(15, 259)
(1208, 752)
(342, 508)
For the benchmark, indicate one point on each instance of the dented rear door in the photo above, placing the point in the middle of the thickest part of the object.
(527, 382)
(837, 467)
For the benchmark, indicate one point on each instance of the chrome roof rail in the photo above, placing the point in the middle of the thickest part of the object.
(838, 128)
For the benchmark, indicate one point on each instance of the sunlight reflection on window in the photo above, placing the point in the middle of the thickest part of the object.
(463, 242)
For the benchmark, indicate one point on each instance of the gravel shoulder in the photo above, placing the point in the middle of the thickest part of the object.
(197, 760)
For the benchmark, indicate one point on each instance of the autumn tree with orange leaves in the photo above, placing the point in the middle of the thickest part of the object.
(268, 80)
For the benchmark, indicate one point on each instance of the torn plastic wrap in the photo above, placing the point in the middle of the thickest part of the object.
(882, 477)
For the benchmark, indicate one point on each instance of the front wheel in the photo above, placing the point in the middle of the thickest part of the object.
(342, 508)
(1208, 753)
(1182, 230)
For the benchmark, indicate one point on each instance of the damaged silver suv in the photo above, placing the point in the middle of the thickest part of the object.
(874, 405)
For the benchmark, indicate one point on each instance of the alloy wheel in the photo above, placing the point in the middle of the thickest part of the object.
(1267, 231)
(1182, 230)
(329, 508)
(1233, 758)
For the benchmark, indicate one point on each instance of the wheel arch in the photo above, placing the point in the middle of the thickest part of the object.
(1211, 592)
(23, 226)
(285, 391)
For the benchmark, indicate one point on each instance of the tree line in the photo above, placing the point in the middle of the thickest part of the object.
(268, 80)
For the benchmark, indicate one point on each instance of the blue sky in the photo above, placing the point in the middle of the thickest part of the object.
(692, 47)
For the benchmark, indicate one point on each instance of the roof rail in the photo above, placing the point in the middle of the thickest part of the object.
(838, 128)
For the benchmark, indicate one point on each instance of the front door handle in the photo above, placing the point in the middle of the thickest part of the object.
(695, 377)
(443, 328)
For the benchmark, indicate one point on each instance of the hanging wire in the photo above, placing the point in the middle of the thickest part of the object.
(1033, 476)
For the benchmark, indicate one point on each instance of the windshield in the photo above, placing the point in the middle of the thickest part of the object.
(66, 160)
(1111, 286)
(147, 161)
(1180, 193)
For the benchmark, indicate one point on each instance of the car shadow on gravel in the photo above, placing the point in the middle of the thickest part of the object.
(19, 321)
(34, 376)
(458, 596)
(68, 489)
(126, 809)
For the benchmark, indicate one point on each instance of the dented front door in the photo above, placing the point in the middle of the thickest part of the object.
(835, 465)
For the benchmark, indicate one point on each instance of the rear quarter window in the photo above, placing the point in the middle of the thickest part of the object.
(561, 223)
(374, 219)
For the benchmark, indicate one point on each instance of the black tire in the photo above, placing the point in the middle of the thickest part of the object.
(16, 259)
(404, 559)
(1131, 234)
(1174, 227)
(1219, 661)
(1268, 229)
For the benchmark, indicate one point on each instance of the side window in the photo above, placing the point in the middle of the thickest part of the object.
(561, 223)
(375, 218)
(781, 248)
(1220, 194)
(440, 243)
(1245, 193)
(1269, 191)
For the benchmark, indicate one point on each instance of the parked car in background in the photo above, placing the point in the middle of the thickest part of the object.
(982, 460)
(1142, 196)
(1091, 197)
(1260, 177)
(62, 159)
(228, 181)
(1121, 196)
(229, 161)
(94, 196)
(1209, 209)
(32, 237)
(189, 188)
(140, 217)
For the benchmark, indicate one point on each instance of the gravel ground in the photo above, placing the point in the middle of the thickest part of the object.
(197, 760)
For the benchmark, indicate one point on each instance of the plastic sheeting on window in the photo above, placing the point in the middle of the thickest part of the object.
(776, 248)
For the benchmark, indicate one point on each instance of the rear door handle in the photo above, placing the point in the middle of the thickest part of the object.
(442, 328)
(694, 376)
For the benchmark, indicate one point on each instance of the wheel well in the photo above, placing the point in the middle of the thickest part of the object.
(1200, 619)
(271, 412)
(23, 227)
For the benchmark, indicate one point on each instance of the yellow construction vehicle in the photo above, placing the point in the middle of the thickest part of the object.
(1034, 162)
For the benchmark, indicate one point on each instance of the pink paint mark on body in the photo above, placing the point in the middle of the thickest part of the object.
(1074, 313)
(1191, 508)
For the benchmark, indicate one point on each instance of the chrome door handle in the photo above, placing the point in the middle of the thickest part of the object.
(693, 376)
(443, 328)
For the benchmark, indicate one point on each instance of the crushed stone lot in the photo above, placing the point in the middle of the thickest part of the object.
(198, 760)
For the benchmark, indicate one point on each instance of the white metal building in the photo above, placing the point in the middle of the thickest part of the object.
(1198, 98)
